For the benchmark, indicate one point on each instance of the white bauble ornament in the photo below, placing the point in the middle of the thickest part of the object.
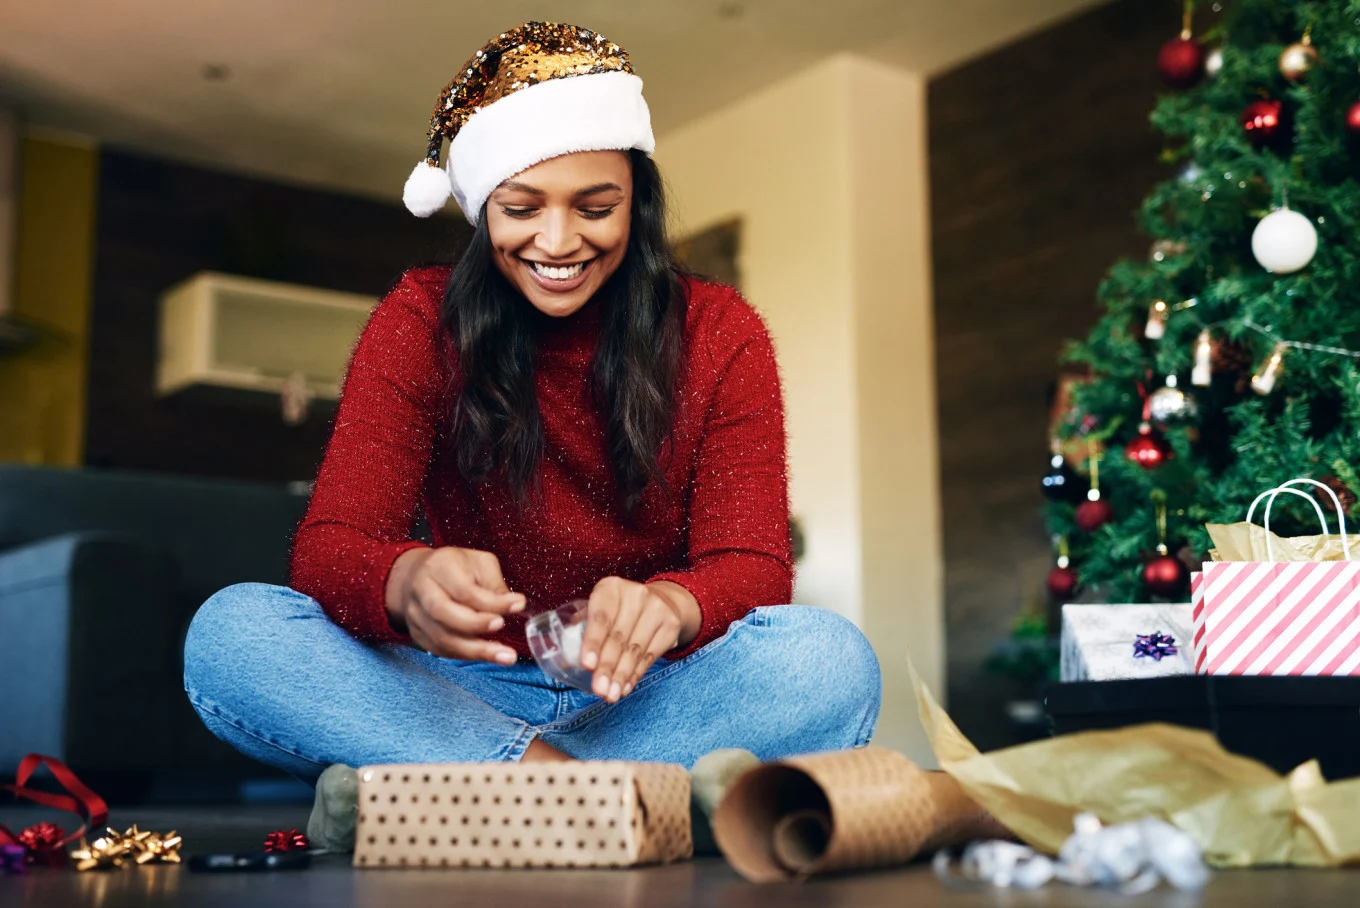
(1284, 241)
(1213, 63)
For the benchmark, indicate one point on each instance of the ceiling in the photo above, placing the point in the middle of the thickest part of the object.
(337, 93)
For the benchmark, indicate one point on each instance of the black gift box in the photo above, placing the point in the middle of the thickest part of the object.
(1281, 722)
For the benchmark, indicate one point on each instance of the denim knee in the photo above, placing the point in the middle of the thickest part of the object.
(828, 663)
(228, 619)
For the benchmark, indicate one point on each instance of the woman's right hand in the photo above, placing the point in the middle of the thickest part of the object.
(450, 600)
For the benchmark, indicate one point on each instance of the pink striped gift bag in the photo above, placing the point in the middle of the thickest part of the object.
(1273, 617)
(1197, 620)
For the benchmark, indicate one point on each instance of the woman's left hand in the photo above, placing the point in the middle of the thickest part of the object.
(630, 625)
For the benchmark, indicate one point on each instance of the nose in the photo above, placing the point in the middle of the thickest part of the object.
(559, 238)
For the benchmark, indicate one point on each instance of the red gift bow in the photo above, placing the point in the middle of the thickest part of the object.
(43, 841)
(81, 800)
(292, 840)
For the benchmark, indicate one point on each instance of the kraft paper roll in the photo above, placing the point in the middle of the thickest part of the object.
(842, 811)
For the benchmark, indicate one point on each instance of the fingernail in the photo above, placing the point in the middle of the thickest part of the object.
(614, 691)
(506, 657)
(518, 604)
(600, 686)
(628, 688)
(590, 660)
(497, 623)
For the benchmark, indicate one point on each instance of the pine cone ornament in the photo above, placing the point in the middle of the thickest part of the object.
(1229, 358)
(1342, 491)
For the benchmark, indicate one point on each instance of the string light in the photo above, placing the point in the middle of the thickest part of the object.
(1263, 382)
(1156, 322)
(1202, 375)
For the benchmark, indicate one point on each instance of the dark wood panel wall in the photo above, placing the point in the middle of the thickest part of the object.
(158, 223)
(1040, 154)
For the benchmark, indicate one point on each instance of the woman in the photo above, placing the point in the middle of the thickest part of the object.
(577, 420)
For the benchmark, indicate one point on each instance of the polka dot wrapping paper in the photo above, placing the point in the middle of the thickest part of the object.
(600, 814)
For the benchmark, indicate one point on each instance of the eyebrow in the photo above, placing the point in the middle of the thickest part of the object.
(516, 186)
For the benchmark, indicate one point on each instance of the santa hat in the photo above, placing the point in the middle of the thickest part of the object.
(535, 92)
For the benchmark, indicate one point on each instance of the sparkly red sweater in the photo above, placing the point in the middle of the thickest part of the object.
(723, 534)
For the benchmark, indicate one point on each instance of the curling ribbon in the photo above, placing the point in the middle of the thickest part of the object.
(81, 800)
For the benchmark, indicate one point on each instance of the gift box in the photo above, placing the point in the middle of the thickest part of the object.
(1101, 642)
(1274, 606)
(594, 814)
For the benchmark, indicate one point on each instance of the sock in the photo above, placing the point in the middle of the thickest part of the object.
(710, 778)
(335, 810)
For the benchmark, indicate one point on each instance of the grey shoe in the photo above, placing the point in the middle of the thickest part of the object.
(331, 825)
(709, 780)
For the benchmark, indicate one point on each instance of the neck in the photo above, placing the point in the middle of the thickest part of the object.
(579, 329)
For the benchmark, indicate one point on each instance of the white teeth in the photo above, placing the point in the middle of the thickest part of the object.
(558, 274)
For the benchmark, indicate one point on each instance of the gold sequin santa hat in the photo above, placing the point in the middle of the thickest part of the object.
(538, 91)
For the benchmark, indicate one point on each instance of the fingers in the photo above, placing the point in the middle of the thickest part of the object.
(648, 623)
(454, 616)
(610, 620)
(474, 579)
(438, 641)
(662, 642)
(452, 630)
(600, 611)
(628, 627)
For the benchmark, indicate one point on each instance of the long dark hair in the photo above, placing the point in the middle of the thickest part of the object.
(497, 428)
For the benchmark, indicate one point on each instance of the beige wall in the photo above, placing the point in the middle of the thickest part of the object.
(42, 389)
(827, 171)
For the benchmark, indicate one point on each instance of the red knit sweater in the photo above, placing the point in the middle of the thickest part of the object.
(724, 535)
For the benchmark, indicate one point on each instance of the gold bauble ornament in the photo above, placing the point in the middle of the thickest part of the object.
(1298, 59)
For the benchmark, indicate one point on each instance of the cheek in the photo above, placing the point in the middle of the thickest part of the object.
(612, 239)
(507, 236)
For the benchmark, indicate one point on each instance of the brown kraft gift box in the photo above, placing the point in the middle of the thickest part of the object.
(604, 814)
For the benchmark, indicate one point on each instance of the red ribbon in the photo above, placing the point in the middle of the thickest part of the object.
(81, 800)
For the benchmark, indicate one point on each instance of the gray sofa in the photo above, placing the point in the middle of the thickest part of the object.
(100, 573)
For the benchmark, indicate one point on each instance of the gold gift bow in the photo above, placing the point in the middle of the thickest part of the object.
(1241, 812)
(122, 849)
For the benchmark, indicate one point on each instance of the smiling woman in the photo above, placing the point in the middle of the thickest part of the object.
(577, 418)
(560, 228)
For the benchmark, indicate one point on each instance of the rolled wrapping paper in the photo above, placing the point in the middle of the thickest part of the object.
(842, 811)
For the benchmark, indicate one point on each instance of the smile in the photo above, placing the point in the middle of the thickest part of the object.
(558, 272)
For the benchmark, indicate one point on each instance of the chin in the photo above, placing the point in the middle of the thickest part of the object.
(559, 306)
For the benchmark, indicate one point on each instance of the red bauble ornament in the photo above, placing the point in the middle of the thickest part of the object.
(1353, 118)
(1062, 583)
(1166, 575)
(1181, 61)
(1149, 450)
(1263, 120)
(1092, 515)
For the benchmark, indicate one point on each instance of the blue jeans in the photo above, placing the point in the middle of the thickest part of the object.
(272, 675)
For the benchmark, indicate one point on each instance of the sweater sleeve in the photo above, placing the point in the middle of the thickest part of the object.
(739, 548)
(370, 481)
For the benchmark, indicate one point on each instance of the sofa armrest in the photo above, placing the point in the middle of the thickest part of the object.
(86, 645)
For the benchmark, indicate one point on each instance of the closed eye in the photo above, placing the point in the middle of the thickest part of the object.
(596, 214)
(518, 212)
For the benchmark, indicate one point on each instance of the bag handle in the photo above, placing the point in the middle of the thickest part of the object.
(1286, 487)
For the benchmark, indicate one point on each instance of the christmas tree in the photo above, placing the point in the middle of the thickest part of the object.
(1227, 362)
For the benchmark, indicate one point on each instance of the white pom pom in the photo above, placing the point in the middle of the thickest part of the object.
(427, 189)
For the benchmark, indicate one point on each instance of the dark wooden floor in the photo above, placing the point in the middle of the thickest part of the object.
(710, 882)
